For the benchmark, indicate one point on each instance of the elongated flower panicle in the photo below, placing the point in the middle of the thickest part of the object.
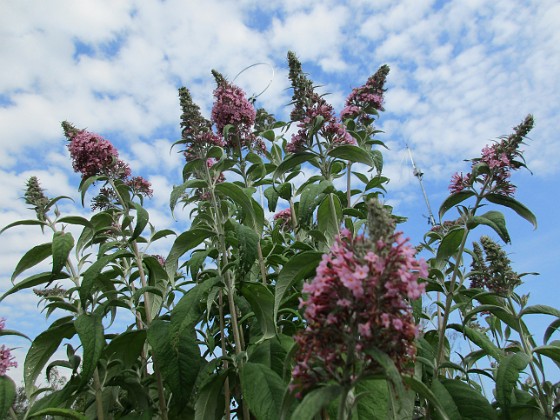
(494, 271)
(284, 218)
(231, 107)
(35, 196)
(358, 300)
(367, 99)
(7, 361)
(312, 113)
(500, 159)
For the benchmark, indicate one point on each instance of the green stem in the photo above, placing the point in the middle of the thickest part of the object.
(98, 395)
(450, 293)
(542, 400)
(342, 406)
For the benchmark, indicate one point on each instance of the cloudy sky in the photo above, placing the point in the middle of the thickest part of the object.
(463, 72)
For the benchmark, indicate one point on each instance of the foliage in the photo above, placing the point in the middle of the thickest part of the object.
(315, 313)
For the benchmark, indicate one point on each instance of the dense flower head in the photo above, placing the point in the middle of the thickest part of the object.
(494, 271)
(91, 154)
(367, 99)
(231, 107)
(500, 158)
(284, 217)
(140, 186)
(358, 300)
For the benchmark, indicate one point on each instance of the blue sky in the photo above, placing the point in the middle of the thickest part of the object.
(462, 74)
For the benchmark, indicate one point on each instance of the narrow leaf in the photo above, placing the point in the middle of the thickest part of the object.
(480, 339)
(314, 402)
(541, 310)
(300, 267)
(450, 243)
(7, 395)
(261, 300)
(23, 223)
(453, 200)
(352, 153)
(248, 246)
(507, 375)
(33, 281)
(75, 220)
(183, 243)
(90, 331)
(43, 347)
(62, 244)
(291, 162)
(496, 221)
(515, 205)
(310, 199)
(142, 218)
(59, 412)
(263, 390)
(210, 402)
(470, 403)
(32, 257)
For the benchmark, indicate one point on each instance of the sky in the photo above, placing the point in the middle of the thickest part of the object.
(462, 74)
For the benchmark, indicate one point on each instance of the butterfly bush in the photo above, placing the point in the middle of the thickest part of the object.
(496, 163)
(359, 300)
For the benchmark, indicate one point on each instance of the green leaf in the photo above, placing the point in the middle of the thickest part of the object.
(33, 281)
(314, 402)
(179, 191)
(7, 395)
(263, 390)
(299, 267)
(351, 153)
(14, 333)
(210, 402)
(23, 223)
(126, 347)
(496, 221)
(183, 243)
(554, 326)
(62, 244)
(329, 215)
(43, 347)
(59, 412)
(372, 398)
(480, 339)
(507, 375)
(261, 300)
(450, 243)
(178, 358)
(292, 161)
(85, 184)
(391, 372)
(247, 248)
(540, 309)
(238, 196)
(142, 218)
(515, 205)
(551, 351)
(470, 403)
(272, 198)
(453, 200)
(498, 311)
(76, 220)
(187, 312)
(90, 276)
(32, 257)
(310, 199)
(445, 400)
(90, 330)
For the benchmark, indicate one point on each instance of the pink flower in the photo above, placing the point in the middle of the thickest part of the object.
(358, 300)
(92, 154)
(6, 360)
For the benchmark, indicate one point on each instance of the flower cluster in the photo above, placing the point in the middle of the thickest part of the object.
(358, 300)
(493, 168)
(493, 272)
(284, 218)
(93, 155)
(35, 196)
(367, 99)
(231, 107)
(6, 359)
(313, 113)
